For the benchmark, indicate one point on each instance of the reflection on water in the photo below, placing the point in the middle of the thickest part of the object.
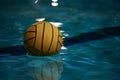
(36, 1)
(31, 68)
(54, 3)
(50, 70)
(40, 19)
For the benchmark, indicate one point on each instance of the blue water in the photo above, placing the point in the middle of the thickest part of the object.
(91, 31)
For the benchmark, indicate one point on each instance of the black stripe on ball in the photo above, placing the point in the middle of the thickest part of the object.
(35, 35)
(29, 31)
(51, 39)
(28, 39)
(43, 37)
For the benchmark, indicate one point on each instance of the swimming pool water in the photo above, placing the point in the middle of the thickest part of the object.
(91, 31)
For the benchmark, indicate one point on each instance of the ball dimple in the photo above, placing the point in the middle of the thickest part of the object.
(43, 39)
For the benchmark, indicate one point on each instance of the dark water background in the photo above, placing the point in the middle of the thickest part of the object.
(92, 38)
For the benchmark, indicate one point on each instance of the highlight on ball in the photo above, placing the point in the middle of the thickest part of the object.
(43, 39)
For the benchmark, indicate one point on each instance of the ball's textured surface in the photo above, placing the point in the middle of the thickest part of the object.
(43, 39)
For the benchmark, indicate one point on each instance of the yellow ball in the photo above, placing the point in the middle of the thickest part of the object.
(43, 39)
